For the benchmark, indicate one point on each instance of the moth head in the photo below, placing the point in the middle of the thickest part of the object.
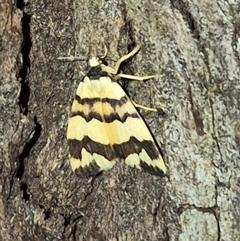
(94, 61)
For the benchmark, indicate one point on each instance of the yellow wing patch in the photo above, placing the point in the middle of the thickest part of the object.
(104, 125)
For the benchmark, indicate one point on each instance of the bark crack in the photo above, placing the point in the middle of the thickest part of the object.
(25, 51)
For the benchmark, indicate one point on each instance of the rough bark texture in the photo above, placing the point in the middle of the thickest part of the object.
(194, 48)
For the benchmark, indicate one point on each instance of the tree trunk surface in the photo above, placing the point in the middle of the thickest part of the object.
(193, 47)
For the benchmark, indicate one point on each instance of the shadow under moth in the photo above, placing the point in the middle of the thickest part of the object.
(105, 127)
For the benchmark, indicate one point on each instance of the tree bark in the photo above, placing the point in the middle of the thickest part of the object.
(193, 48)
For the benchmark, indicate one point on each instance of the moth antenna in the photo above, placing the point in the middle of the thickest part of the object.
(105, 53)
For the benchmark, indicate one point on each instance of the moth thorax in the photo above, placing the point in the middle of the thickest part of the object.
(93, 62)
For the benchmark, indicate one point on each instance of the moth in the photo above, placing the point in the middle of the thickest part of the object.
(104, 126)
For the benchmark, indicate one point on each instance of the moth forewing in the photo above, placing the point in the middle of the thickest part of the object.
(104, 125)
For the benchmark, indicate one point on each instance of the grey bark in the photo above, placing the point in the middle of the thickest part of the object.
(194, 48)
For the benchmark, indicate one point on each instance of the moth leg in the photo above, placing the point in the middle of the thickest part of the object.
(115, 69)
(125, 57)
(133, 77)
(82, 73)
(143, 107)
